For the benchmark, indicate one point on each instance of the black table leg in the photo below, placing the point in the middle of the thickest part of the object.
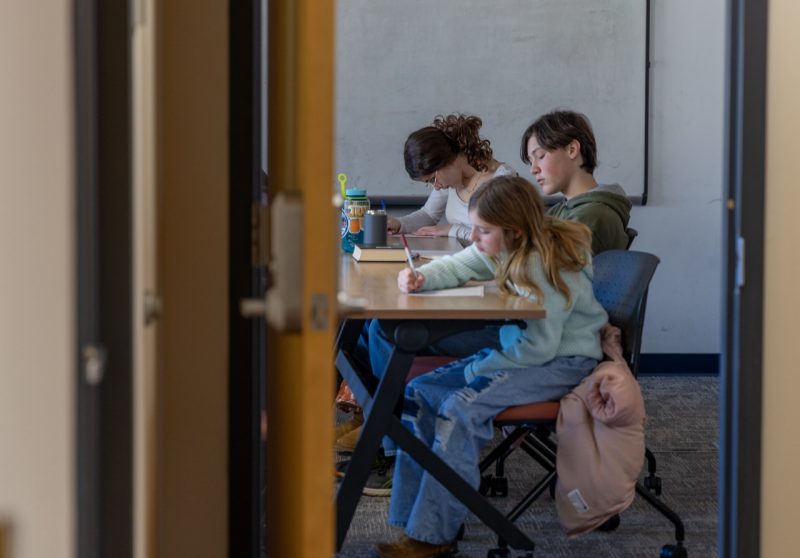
(380, 405)
(381, 408)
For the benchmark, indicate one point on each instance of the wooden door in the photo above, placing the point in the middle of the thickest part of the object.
(300, 363)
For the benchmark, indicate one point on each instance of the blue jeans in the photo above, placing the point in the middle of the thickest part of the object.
(454, 418)
(375, 346)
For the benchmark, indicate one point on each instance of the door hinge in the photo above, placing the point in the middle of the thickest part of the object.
(319, 311)
(153, 307)
(94, 364)
(739, 262)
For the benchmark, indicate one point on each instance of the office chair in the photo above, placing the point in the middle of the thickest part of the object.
(632, 233)
(621, 281)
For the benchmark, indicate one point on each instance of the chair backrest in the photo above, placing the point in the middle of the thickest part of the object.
(621, 280)
(632, 233)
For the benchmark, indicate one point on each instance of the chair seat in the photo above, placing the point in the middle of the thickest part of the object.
(424, 364)
(542, 411)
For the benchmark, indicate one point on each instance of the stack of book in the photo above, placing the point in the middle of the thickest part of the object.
(362, 253)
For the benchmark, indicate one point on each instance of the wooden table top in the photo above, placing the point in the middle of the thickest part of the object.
(369, 290)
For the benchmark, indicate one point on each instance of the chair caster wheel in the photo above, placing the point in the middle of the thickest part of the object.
(493, 486)
(499, 487)
(610, 524)
(653, 484)
(673, 551)
(498, 553)
(460, 534)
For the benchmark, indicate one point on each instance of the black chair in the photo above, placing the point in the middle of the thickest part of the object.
(621, 281)
(632, 233)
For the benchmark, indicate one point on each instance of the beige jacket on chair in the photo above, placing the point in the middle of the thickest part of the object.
(600, 451)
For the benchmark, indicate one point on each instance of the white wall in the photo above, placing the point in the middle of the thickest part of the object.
(682, 221)
(401, 63)
(37, 315)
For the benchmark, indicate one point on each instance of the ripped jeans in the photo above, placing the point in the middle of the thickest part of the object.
(454, 418)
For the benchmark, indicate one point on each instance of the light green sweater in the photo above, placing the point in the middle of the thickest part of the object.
(572, 331)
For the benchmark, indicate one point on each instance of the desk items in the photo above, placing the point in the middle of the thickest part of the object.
(364, 253)
(375, 227)
(408, 255)
(354, 207)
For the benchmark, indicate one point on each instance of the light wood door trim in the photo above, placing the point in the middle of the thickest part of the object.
(145, 383)
(300, 373)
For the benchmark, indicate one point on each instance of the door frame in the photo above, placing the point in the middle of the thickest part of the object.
(741, 385)
(104, 346)
(246, 336)
(104, 275)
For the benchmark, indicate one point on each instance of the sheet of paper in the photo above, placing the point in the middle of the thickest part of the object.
(434, 254)
(412, 235)
(476, 290)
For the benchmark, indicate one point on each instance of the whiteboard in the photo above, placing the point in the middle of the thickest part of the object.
(399, 63)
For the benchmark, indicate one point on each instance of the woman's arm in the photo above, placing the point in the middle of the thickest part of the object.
(428, 214)
(461, 232)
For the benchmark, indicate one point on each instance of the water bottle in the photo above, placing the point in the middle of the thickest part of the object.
(354, 208)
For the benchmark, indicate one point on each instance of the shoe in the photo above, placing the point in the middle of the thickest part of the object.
(340, 468)
(347, 443)
(379, 482)
(407, 547)
(350, 425)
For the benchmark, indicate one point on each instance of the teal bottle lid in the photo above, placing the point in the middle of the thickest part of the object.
(356, 193)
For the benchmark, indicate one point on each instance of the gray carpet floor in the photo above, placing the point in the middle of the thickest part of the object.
(682, 432)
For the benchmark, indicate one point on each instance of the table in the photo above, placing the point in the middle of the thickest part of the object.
(369, 291)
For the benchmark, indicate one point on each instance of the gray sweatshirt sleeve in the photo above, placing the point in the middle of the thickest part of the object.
(429, 214)
(461, 232)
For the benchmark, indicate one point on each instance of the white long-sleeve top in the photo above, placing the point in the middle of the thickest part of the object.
(446, 202)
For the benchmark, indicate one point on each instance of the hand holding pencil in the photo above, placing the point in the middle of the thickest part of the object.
(409, 280)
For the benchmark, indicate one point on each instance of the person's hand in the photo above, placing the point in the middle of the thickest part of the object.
(407, 282)
(434, 230)
(392, 225)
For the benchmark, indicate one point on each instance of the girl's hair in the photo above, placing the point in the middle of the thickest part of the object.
(513, 204)
(435, 146)
(557, 129)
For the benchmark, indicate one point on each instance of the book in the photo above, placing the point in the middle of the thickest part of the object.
(393, 253)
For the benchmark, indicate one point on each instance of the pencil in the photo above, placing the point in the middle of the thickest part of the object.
(408, 256)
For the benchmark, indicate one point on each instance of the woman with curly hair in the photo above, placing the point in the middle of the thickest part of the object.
(452, 157)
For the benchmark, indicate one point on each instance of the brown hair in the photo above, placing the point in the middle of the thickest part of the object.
(435, 146)
(512, 203)
(557, 129)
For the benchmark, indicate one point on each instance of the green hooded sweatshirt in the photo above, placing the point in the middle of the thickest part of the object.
(605, 210)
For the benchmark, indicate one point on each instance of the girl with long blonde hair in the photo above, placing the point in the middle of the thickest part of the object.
(451, 409)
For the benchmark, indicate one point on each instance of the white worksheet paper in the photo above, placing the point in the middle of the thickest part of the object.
(476, 290)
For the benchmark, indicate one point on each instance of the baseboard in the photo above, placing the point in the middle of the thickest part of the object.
(684, 364)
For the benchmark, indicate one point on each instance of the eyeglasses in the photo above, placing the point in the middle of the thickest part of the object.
(433, 179)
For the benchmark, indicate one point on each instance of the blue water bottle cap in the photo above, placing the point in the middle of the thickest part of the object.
(356, 192)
